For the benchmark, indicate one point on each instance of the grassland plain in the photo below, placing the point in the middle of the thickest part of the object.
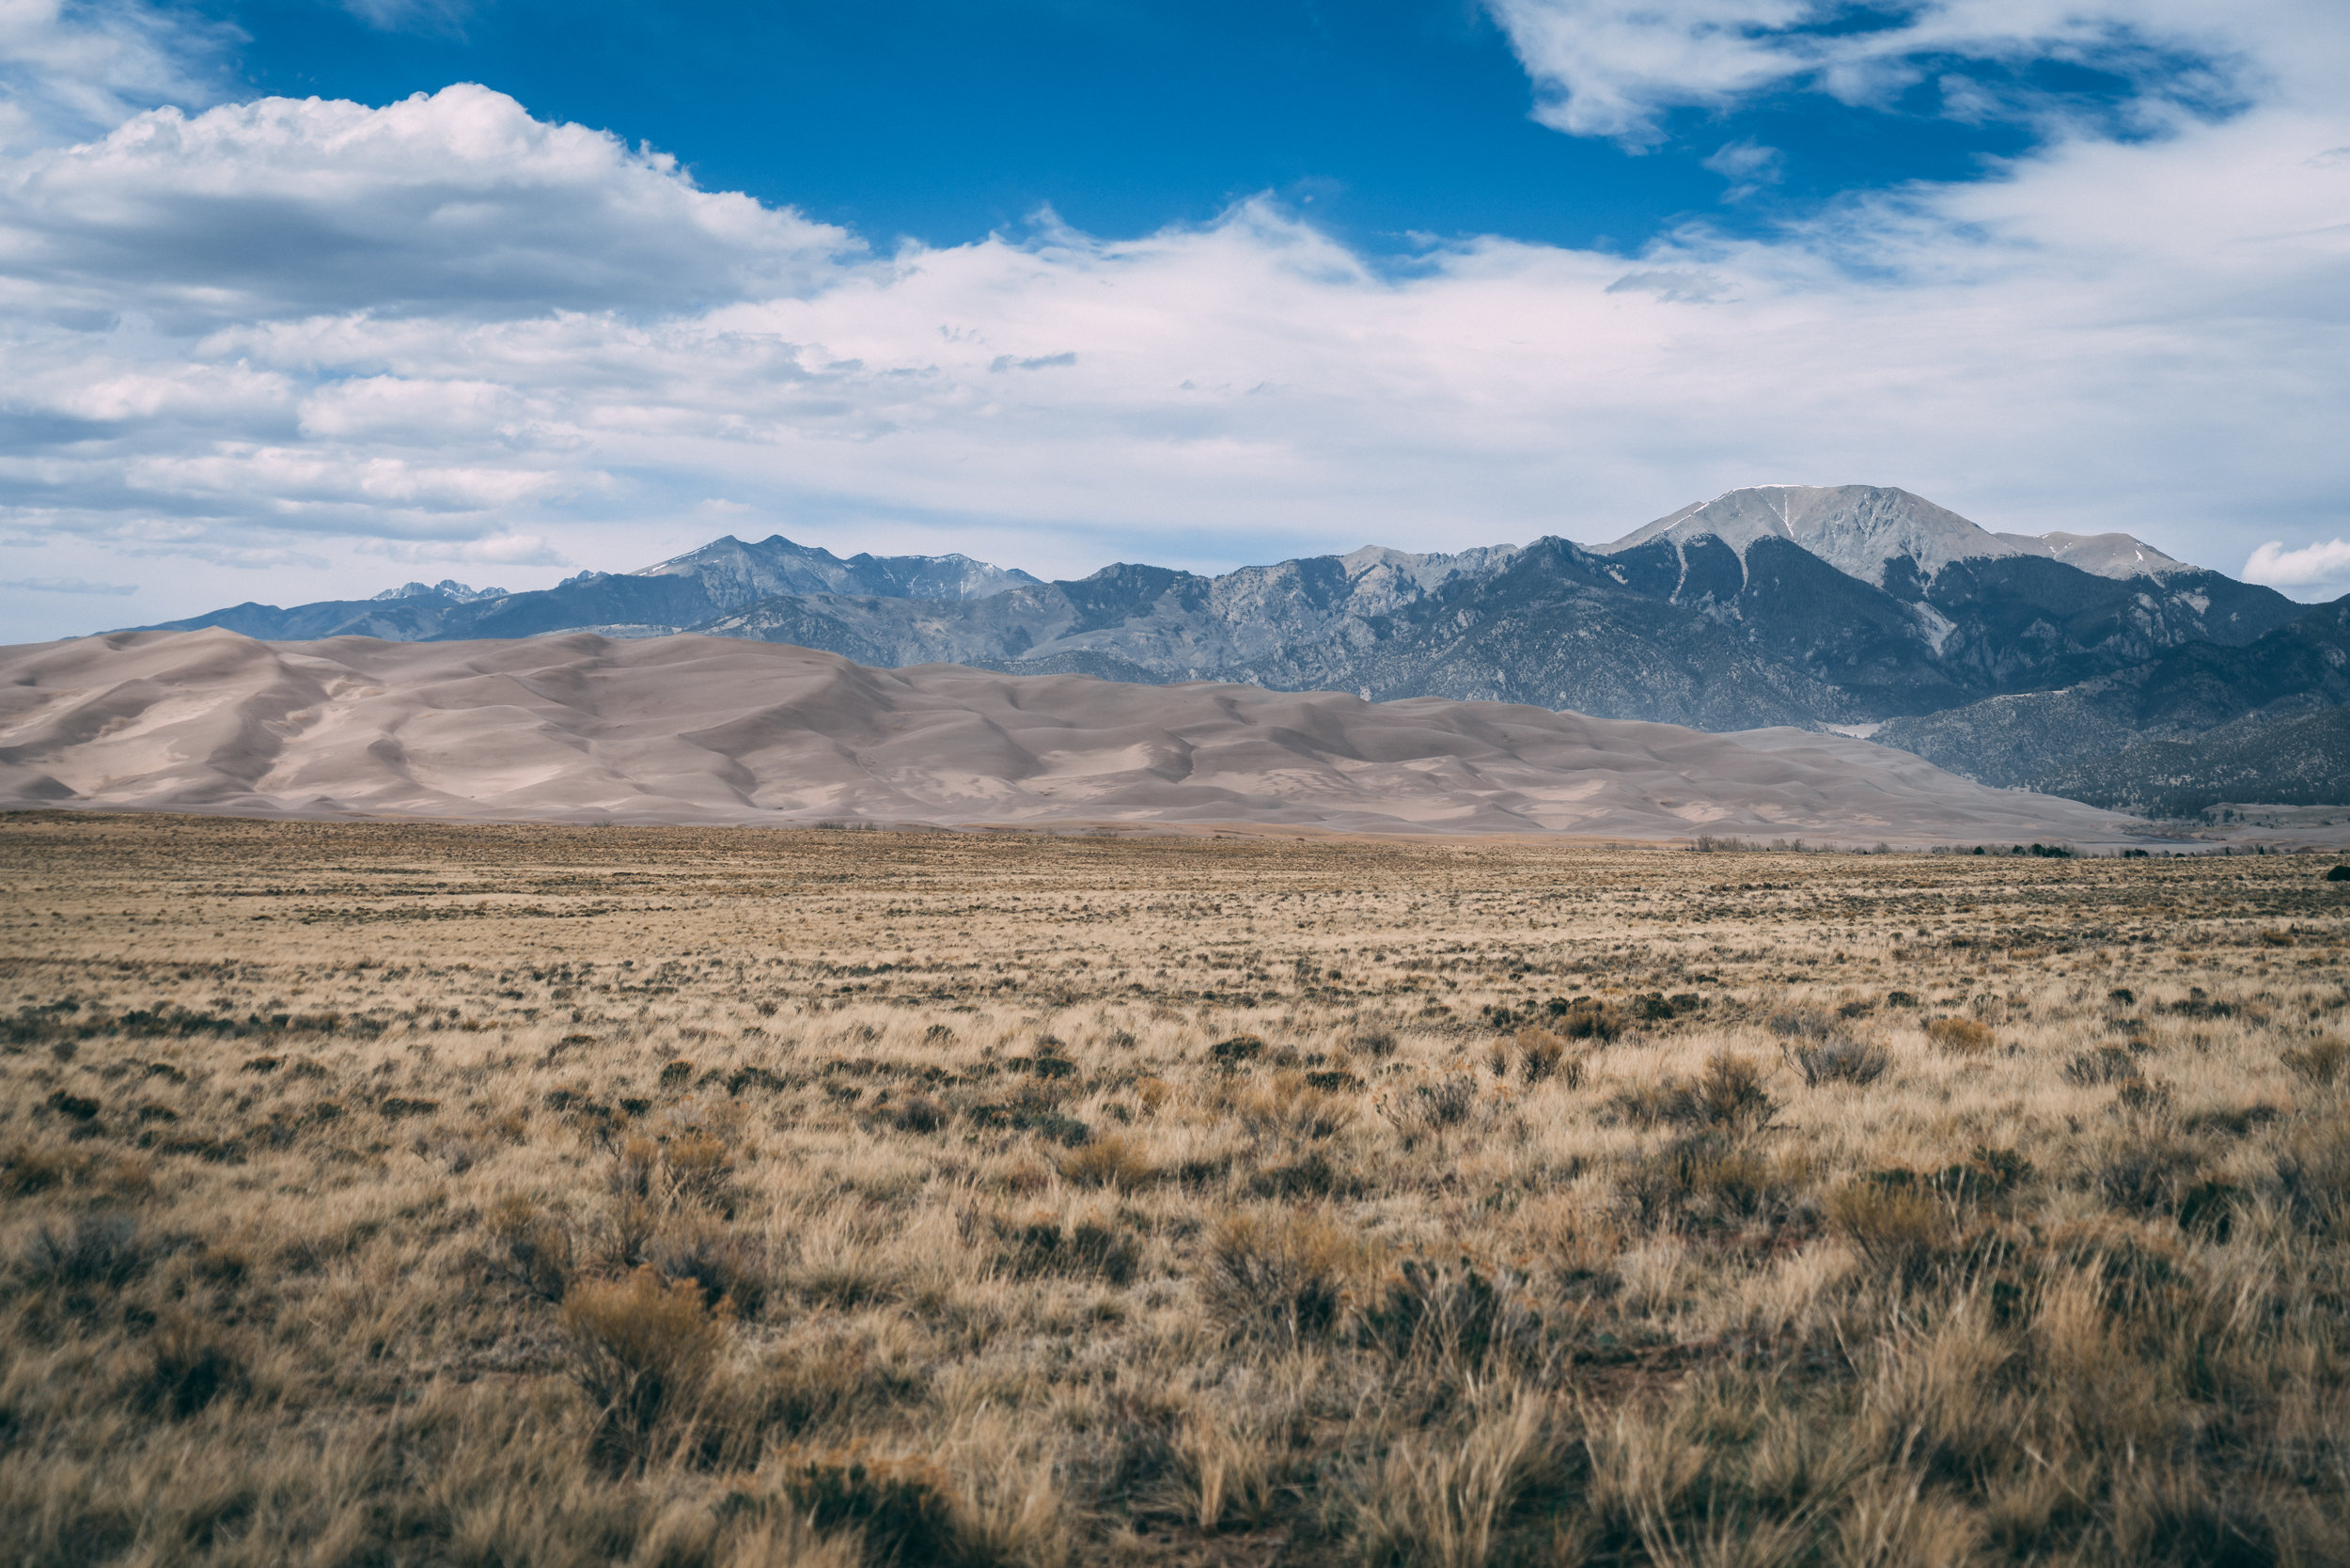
(407, 1194)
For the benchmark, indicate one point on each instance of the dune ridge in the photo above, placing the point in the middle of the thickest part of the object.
(583, 728)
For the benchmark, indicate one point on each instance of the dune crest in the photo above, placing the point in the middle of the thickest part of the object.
(704, 730)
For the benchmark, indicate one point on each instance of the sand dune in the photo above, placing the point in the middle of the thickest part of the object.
(700, 730)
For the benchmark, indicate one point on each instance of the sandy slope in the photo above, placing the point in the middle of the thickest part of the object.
(701, 730)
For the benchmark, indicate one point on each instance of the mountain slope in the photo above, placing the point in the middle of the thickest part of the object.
(686, 729)
(2296, 761)
(2178, 695)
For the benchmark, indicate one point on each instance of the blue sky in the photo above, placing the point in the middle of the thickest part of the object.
(944, 121)
(303, 298)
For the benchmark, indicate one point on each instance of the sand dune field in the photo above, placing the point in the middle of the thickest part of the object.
(687, 730)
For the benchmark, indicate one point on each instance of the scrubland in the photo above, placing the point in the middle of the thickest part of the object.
(402, 1194)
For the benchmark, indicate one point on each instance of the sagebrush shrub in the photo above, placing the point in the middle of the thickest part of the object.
(1585, 1018)
(1841, 1061)
(1279, 1276)
(1729, 1093)
(1543, 1054)
(1454, 1318)
(1109, 1161)
(2321, 1062)
(727, 1267)
(1418, 1108)
(1961, 1037)
(527, 1248)
(902, 1508)
(98, 1252)
(191, 1363)
(643, 1346)
(2107, 1064)
(1897, 1226)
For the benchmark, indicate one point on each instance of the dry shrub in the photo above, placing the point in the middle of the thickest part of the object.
(1730, 1093)
(919, 1114)
(1279, 1275)
(1089, 1248)
(1293, 1107)
(1841, 1060)
(1587, 1019)
(1440, 1500)
(1110, 1161)
(644, 1346)
(1898, 1226)
(100, 1251)
(903, 1509)
(1543, 1054)
(1960, 1036)
(26, 1169)
(1419, 1109)
(528, 1248)
(1227, 1470)
(2320, 1063)
(191, 1363)
(700, 1167)
(731, 1270)
(2107, 1064)
(1455, 1320)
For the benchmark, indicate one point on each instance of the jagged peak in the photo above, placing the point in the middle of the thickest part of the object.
(447, 588)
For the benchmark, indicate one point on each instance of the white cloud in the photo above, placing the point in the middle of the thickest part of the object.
(1614, 68)
(425, 16)
(311, 337)
(68, 584)
(504, 550)
(1748, 166)
(459, 202)
(2324, 565)
(67, 72)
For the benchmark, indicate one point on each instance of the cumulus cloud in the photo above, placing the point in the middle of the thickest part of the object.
(2324, 565)
(285, 335)
(456, 202)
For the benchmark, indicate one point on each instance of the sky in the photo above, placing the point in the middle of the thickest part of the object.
(303, 299)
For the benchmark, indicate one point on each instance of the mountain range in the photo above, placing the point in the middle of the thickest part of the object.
(1814, 606)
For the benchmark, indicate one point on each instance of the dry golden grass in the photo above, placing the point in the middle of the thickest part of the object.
(398, 1194)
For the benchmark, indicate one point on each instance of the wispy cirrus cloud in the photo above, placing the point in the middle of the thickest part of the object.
(1617, 67)
(72, 71)
(78, 586)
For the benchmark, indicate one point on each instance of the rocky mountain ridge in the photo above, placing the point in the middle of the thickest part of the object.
(1788, 604)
